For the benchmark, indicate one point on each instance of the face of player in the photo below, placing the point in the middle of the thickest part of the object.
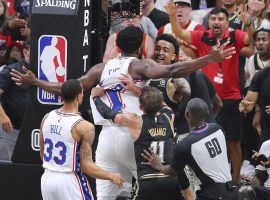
(256, 5)
(183, 12)
(164, 52)
(218, 23)
(228, 3)
(262, 44)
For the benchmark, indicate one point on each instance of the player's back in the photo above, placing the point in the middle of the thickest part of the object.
(61, 151)
(117, 98)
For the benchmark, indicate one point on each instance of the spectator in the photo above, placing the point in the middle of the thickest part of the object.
(183, 18)
(13, 104)
(224, 78)
(257, 10)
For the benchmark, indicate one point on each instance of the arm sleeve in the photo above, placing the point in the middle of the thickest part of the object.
(104, 110)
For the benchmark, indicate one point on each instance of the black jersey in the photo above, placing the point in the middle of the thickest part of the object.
(205, 151)
(156, 133)
(176, 107)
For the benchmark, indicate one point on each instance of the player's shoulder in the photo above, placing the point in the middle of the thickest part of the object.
(83, 126)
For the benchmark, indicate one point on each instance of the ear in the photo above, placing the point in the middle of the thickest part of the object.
(141, 108)
(186, 115)
(173, 57)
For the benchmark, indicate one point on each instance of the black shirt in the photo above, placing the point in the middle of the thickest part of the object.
(156, 133)
(159, 18)
(261, 83)
(204, 150)
(201, 87)
(14, 99)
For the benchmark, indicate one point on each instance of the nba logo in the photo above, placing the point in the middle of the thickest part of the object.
(52, 60)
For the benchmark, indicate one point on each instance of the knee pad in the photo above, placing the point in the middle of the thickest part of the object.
(247, 193)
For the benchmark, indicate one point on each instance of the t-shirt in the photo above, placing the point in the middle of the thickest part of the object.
(14, 99)
(261, 83)
(204, 41)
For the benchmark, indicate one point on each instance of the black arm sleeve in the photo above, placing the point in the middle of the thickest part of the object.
(183, 180)
(104, 110)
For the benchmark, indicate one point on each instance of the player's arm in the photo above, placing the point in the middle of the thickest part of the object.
(129, 120)
(87, 134)
(176, 27)
(110, 48)
(41, 139)
(28, 78)
(147, 69)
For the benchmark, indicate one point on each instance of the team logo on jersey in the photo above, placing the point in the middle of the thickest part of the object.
(52, 61)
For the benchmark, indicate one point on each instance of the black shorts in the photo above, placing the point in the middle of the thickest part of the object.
(230, 120)
(217, 191)
(159, 189)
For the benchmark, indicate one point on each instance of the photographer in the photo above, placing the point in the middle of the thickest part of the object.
(260, 188)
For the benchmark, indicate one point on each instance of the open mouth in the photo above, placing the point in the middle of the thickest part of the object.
(216, 29)
(159, 59)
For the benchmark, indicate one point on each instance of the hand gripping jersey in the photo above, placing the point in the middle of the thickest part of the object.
(61, 152)
(117, 98)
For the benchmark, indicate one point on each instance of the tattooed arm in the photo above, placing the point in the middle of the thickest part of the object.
(86, 131)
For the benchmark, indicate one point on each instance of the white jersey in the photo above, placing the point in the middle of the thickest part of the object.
(61, 151)
(117, 98)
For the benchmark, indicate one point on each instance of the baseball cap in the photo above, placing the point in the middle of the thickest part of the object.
(183, 1)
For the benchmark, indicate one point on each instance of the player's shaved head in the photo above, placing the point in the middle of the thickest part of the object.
(197, 109)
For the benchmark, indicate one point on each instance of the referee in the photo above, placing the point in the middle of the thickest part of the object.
(204, 150)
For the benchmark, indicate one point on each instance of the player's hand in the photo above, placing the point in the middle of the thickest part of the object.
(117, 179)
(6, 123)
(25, 32)
(23, 79)
(267, 109)
(244, 104)
(128, 84)
(170, 8)
(152, 160)
(219, 53)
(97, 91)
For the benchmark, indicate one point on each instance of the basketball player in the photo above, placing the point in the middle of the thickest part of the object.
(204, 150)
(153, 129)
(65, 148)
(115, 151)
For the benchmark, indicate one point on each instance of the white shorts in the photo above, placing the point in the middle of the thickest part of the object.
(115, 153)
(68, 186)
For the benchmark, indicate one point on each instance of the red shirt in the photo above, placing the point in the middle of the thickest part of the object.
(230, 88)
